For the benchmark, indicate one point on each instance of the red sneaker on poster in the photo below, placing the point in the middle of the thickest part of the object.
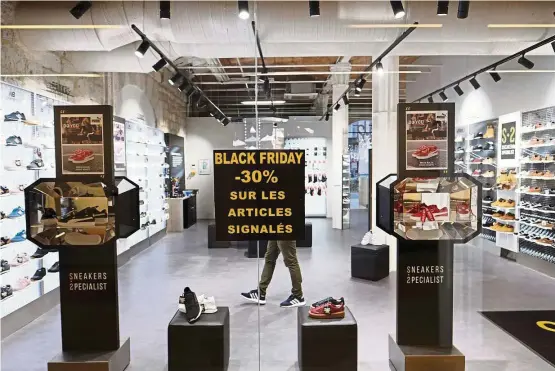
(463, 209)
(327, 311)
(425, 152)
(81, 156)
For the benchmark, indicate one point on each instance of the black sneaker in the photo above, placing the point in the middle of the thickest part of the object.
(7, 291)
(192, 306)
(4, 241)
(479, 136)
(54, 268)
(293, 301)
(80, 218)
(253, 297)
(39, 274)
(15, 116)
(5, 266)
(4, 191)
(14, 140)
(153, 221)
(143, 214)
(328, 300)
(3, 215)
(39, 253)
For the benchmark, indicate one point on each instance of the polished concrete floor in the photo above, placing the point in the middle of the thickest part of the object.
(152, 281)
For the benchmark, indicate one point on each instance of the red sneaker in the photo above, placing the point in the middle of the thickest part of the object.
(463, 209)
(80, 156)
(327, 311)
(423, 214)
(426, 152)
(416, 208)
(438, 212)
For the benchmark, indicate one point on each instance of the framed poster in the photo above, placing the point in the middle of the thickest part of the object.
(119, 144)
(84, 142)
(426, 140)
(508, 140)
(204, 167)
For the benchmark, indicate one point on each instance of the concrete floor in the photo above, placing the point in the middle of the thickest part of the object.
(152, 281)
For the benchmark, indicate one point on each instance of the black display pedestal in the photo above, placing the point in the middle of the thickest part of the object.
(326, 345)
(201, 346)
(370, 262)
(189, 212)
(115, 360)
(425, 308)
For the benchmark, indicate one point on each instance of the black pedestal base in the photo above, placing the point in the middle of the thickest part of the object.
(370, 262)
(411, 358)
(116, 360)
(327, 345)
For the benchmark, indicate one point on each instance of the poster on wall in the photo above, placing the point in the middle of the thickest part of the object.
(426, 140)
(176, 161)
(82, 138)
(119, 144)
(508, 140)
(204, 167)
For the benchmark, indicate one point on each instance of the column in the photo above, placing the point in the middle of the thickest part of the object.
(340, 128)
(385, 96)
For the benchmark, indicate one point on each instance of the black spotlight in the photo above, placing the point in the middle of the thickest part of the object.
(165, 10)
(141, 50)
(474, 83)
(458, 90)
(183, 86)
(553, 45)
(359, 84)
(174, 79)
(495, 76)
(159, 65)
(524, 62)
(273, 109)
(225, 121)
(431, 99)
(398, 10)
(337, 107)
(327, 116)
(464, 5)
(443, 96)
(442, 7)
(80, 8)
(243, 9)
(379, 67)
(314, 8)
(267, 86)
(346, 100)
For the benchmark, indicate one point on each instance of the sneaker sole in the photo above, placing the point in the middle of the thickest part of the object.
(293, 305)
(256, 301)
(327, 316)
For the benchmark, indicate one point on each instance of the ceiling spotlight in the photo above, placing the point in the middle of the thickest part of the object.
(553, 45)
(314, 8)
(201, 103)
(431, 99)
(379, 68)
(164, 10)
(495, 76)
(346, 100)
(398, 10)
(474, 83)
(183, 86)
(359, 84)
(442, 7)
(80, 9)
(174, 79)
(524, 62)
(159, 65)
(464, 5)
(141, 50)
(337, 107)
(225, 121)
(443, 96)
(458, 90)
(327, 116)
(243, 9)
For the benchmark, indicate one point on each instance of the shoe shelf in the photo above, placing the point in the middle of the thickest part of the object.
(539, 194)
(538, 145)
(501, 220)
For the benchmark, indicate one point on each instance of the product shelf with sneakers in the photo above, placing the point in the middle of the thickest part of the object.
(26, 153)
(536, 235)
(477, 156)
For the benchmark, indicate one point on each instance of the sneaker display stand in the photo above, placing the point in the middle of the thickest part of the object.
(81, 213)
(423, 208)
(370, 262)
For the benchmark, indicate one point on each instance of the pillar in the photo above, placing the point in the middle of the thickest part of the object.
(385, 96)
(340, 128)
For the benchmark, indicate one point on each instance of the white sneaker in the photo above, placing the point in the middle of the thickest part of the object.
(207, 303)
(238, 143)
(367, 239)
(252, 138)
(267, 138)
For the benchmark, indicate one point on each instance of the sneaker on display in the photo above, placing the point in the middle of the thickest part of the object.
(76, 238)
(15, 165)
(4, 191)
(37, 164)
(293, 301)
(192, 308)
(252, 138)
(22, 283)
(238, 143)
(253, 297)
(39, 253)
(267, 138)
(4, 265)
(13, 140)
(6, 291)
(208, 304)
(19, 237)
(48, 217)
(39, 274)
(20, 259)
(4, 241)
(15, 116)
(329, 299)
(367, 239)
(328, 311)
(54, 268)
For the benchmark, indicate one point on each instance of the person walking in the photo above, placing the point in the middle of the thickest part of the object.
(289, 251)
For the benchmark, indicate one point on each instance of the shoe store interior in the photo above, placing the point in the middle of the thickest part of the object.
(125, 248)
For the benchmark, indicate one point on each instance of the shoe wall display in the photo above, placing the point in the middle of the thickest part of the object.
(316, 174)
(26, 154)
(536, 185)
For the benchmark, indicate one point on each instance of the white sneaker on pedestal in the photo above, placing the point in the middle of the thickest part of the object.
(368, 239)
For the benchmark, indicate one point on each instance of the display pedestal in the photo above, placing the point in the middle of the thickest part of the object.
(114, 360)
(416, 358)
(175, 222)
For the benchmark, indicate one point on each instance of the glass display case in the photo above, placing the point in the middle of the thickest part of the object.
(80, 214)
(438, 208)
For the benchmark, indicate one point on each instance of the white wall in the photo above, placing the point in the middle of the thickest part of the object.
(515, 91)
(205, 134)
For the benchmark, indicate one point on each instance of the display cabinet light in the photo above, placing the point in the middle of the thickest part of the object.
(346, 100)
(165, 10)
(474, 83)
(314, 8)
(80, 9)
(337, 107)
(397, 8)
(142, 49)
(159, 65)
(431, 99)
(443, 96)
(243, 9)
(464, 6)
(458, 90)
(174, 79)
(442, 7)
(495, 76)
(525, 62)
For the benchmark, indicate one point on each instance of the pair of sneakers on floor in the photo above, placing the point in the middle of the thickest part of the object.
(291, 302)
(194, 306)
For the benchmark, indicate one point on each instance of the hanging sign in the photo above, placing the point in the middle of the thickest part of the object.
(508, 141)
(259, 195)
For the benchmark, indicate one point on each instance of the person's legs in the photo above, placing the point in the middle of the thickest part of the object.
(289, 251)
(272, 253)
